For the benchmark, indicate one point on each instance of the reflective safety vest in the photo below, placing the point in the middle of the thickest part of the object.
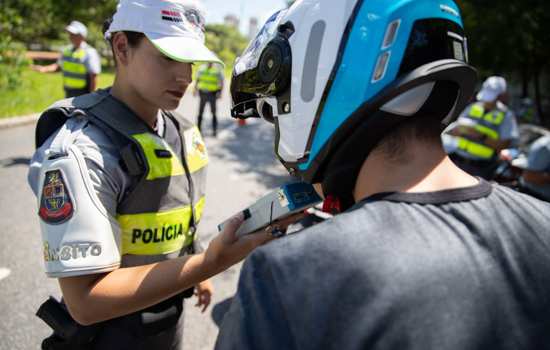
(209, 79)
(75, 74)
(159, 214)
(487, 124)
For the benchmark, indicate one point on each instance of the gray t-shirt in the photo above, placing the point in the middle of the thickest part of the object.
(454, 270)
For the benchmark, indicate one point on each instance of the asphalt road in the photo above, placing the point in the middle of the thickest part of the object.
(242, 168)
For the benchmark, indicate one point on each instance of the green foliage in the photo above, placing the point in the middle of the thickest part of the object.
(510, 38)
(36, 92)
(12, 54)
(226, 41)
(504, 36)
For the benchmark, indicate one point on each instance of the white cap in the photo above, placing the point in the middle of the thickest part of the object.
(492, 88)
(175, 27)
(77, 28)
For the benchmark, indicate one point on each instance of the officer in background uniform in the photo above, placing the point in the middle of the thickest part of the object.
(483, 130)
(535, 179)
(209, 86)
(80, 63)
(120, 185)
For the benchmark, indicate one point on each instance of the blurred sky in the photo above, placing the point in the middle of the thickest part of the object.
(216, 10)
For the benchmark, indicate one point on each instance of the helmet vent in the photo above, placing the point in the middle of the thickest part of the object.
(410, 102)
(381, 66)
(391, 34)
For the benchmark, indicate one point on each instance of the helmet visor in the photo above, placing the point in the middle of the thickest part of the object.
(251, 56)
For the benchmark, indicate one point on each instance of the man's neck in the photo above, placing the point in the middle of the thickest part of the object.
(489, 106)
(79, 45)
(423, 168)
(126, 94)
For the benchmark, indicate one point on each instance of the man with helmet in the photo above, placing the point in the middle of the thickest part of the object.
(483, 130)
(424, 255)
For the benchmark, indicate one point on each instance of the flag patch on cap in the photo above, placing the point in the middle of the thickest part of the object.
(55, 204)
(172, 16)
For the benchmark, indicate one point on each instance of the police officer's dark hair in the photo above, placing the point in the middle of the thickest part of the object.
(134, 38)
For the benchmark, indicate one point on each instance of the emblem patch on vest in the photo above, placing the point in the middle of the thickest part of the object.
(55, 204)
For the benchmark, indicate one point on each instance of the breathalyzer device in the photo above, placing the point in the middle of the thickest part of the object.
(278, 204)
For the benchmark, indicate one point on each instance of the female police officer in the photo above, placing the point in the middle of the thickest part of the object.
(120, 186)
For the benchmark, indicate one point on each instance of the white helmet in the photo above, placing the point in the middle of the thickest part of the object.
(336, 76)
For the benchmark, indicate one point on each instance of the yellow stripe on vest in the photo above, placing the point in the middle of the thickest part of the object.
(475, 149)
(161, 159)
(74, 83)
(73, 67)
(197, 156)
(157, 233)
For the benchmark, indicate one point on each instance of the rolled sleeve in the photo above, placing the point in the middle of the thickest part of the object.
(93, 61)
(509, 128)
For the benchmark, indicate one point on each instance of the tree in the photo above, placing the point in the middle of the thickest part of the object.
(226, 41)
(510, 38)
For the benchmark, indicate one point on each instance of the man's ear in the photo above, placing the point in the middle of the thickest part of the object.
(121, 48)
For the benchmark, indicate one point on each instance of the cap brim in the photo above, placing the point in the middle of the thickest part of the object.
(73, 30)
(183, 49)
(522, 163)
(487, 96)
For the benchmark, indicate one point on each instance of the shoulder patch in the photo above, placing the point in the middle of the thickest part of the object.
(55, 202)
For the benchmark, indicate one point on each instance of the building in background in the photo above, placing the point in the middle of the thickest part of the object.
(231, 20)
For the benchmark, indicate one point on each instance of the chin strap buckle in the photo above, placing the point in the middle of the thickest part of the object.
(332, 205)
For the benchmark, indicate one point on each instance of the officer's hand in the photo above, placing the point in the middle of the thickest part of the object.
(226, 249)
(204, 291)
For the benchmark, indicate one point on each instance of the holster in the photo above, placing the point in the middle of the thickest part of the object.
(67, 333)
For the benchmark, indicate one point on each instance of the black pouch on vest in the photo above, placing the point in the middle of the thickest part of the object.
(162, 316)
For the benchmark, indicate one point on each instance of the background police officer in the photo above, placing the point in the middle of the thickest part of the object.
(483, 130)
(80, 63)
(209, 85)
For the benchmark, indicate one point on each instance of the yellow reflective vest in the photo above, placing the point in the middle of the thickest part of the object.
(209, 79)
(487, 124)
(75, 73)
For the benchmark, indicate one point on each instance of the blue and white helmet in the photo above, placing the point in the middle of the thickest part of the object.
(335, 76)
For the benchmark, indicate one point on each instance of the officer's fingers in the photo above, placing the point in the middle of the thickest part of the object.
(285, 222)
(253, 240)
(229, 231)
(206, 304)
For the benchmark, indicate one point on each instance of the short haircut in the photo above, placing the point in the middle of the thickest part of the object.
(134, 38)
(424, 129)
